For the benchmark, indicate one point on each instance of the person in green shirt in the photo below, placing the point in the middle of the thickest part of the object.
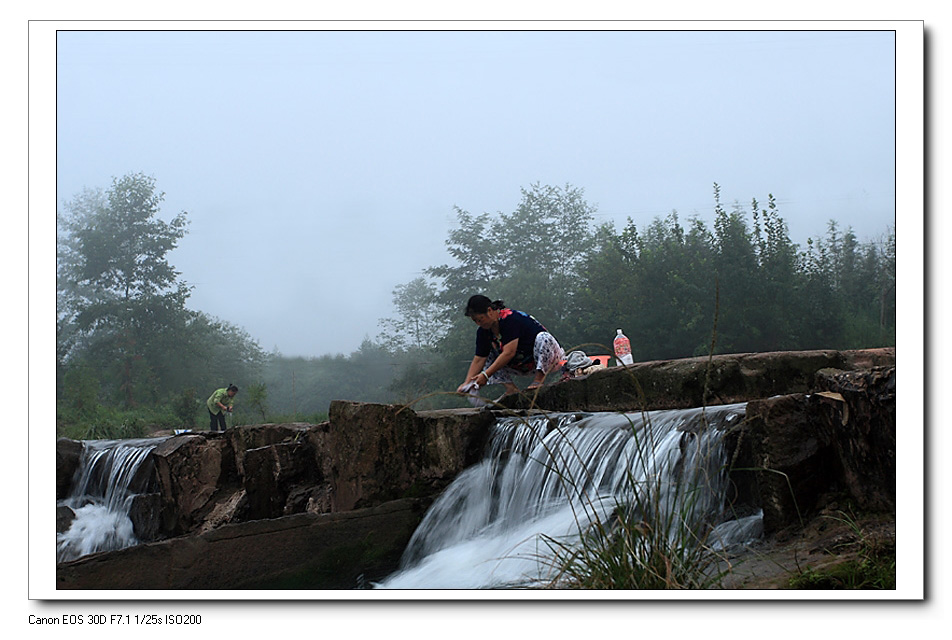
(220, 402)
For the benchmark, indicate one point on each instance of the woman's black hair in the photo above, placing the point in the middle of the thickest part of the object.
(232, 387)
(481, 304)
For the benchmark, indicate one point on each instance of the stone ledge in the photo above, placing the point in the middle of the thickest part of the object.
(303, 551)
(695, 382)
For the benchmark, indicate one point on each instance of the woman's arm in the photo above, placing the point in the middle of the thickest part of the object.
(508, 353)
(475, 367)
(480, 377)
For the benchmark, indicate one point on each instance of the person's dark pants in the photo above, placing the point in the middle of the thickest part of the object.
(216, 420)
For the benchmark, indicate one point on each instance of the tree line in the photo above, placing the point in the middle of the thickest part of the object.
(130, 354)
(677, 289)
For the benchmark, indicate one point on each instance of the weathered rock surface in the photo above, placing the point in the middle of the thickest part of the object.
(695, 382)
(68, 455)
(859, 420)
(272, 473)
(146, 515)
(189, 470)
(379, 452)
(841, 438)
(367, 454)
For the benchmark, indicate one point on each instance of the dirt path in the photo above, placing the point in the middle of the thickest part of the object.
(826, 542)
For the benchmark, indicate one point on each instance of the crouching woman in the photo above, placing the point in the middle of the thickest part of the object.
(509, 343)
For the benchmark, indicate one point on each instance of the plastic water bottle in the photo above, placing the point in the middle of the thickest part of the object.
(622, 348)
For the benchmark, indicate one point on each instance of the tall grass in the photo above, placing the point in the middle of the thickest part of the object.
(104, 423)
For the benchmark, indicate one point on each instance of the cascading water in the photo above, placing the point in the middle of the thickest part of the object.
(546, 479)
(110, 475)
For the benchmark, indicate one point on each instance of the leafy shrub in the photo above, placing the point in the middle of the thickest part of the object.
(185, 407)
(257, 398)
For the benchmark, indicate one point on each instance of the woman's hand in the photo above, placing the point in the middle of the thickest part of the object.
(482, 375)
(474, 372)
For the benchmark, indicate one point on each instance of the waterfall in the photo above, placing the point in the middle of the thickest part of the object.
(110, 475)
(546, 479)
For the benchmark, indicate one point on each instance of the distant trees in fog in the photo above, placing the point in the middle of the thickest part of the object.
(127, 343)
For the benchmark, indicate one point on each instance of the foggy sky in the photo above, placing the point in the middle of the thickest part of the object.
(320, 169)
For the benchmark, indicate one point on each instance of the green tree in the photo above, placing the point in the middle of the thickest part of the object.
(736, 268)
(654, 284)
(256, 397)
(186, 407)
(851, 290)
(118, 294)
(419, 323)
(820, 318)
(660, 284)
(541, 246)
(779, 283)
(477, 260)
(605, 291)
(881, 267)
(81, 390)
(529, 258)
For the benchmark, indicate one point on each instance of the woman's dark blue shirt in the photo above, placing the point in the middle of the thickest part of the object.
(513, 325)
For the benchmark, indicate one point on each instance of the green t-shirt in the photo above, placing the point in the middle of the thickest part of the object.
(221, 395)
